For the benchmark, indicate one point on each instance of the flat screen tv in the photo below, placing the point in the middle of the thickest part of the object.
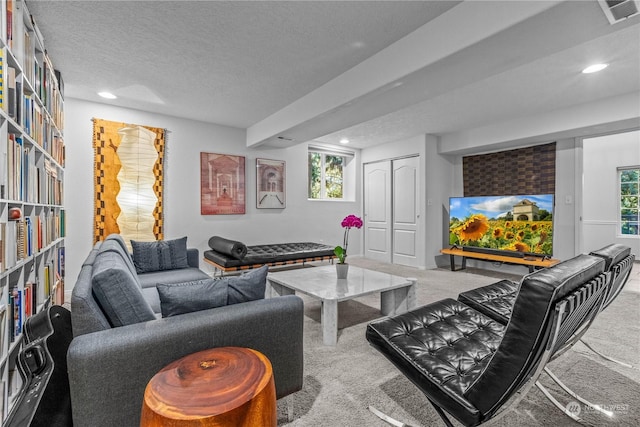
(512, 225)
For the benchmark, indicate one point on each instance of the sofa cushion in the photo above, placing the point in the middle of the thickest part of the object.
(116, 248)
(118, 292)
(180, 298)
(149, 281)
(117, 238)
(180, 275)
(160, 255)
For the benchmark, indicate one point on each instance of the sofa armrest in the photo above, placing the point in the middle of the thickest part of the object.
(119, 362)
(193, 257)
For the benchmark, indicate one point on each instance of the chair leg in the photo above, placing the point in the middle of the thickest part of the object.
(386, 418)
(576, 396)
(558, 405)
(397, 423)
(610, 359)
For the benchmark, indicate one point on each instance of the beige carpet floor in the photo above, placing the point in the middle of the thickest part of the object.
(341, 382)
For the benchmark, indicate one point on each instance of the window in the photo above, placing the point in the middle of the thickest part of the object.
(328, 173)
(629, 179)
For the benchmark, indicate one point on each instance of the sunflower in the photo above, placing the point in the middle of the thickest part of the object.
(543, 237)
(508, 224)
(509, 235)
(522, 247)
(534, 227)
(497, 232)
(473, 228)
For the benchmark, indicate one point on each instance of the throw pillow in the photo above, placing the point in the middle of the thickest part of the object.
(180, 298)
(160, 255)
(117, 291)
(248, 286)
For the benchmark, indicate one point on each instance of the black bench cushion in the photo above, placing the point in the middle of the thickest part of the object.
(265, 254)
(442, 347)
(495, 300)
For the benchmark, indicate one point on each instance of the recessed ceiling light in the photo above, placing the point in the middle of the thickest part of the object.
(344, 141)
(594, 68)
(107, 95)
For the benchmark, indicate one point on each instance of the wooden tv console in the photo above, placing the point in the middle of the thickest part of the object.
(533, 262)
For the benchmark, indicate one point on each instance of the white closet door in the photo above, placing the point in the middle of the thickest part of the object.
(377, 211)
(406, 212)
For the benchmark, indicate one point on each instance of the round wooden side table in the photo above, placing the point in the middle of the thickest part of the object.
(226, 386)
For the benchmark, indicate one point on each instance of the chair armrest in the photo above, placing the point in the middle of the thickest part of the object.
(109, 370)
(193, 257)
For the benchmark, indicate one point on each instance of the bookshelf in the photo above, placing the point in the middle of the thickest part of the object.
(32, 215)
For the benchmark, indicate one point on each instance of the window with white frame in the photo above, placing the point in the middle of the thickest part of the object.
(629, 196)
(328, 173)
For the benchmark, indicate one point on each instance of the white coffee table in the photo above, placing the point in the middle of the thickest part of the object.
(397, 294)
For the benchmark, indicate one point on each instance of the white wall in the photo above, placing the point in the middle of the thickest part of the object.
(601, 157)
(436, 178)
(301, 220)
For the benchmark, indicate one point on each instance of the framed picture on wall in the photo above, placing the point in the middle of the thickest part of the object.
(222, 188)
(270, 184)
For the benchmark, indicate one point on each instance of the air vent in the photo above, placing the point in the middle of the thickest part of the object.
(617, 10)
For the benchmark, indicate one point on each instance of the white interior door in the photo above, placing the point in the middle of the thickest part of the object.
(377, 211)
(405, 183)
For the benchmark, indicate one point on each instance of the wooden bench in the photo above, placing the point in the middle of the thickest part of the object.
(533, 262)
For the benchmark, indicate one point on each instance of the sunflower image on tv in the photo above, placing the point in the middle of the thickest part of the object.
(522, 223)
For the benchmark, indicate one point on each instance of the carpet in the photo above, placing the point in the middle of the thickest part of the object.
(341, 382)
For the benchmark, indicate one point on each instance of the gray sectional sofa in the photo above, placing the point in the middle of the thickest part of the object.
(116, 350)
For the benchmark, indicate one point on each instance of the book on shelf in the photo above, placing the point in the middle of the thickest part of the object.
(3, 261)
(61, 260)
(3, 326)
(21, 251)
(12, 105)
(47, 281)
(2, 78)
(28, 300)
(9, 15)
(10, 245)
(17, 312)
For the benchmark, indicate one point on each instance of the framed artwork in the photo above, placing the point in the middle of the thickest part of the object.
(270, 184)
(222, 188)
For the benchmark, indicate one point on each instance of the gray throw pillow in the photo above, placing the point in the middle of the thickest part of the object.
(248, 286)
(117, 292)
(180, 298)
(160, 255)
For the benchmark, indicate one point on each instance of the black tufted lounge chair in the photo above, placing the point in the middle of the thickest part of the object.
(496, 301)
(475, 368)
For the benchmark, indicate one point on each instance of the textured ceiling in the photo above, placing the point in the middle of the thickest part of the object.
(244, 64)
(231, 63)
